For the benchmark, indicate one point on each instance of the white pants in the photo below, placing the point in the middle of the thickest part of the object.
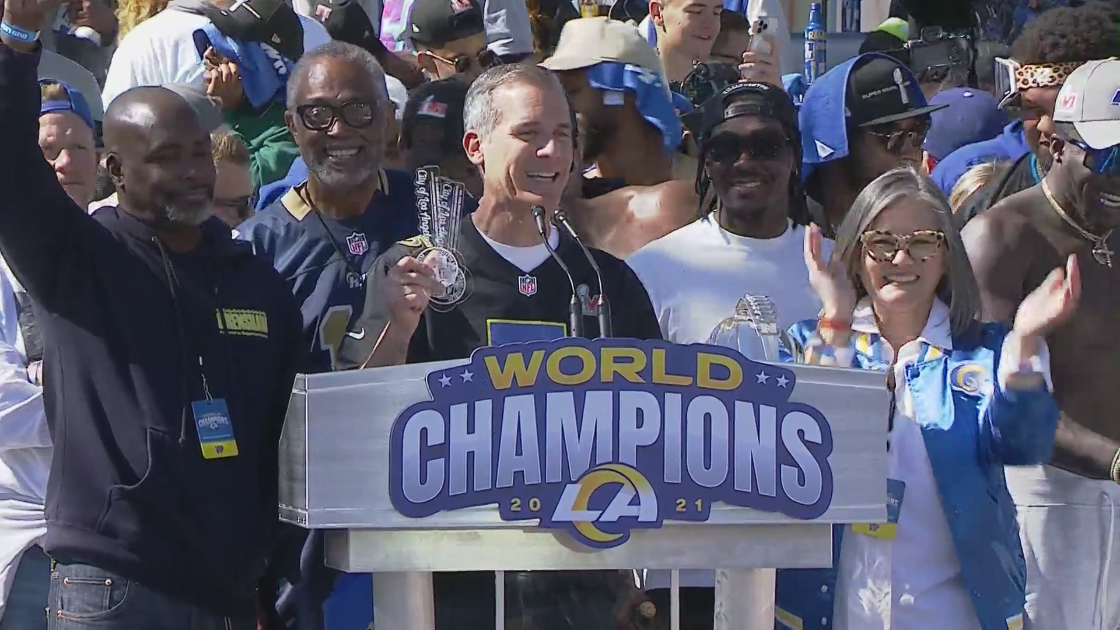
(1070, 528)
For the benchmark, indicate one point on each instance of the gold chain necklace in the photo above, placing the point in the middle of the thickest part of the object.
(1101, 253)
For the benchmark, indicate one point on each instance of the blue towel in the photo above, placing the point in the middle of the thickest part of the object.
(795, 86)
(264, 72)
(653, 100)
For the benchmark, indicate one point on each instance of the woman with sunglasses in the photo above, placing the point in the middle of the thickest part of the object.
(968, 398)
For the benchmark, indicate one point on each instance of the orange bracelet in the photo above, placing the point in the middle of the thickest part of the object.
(826, 323)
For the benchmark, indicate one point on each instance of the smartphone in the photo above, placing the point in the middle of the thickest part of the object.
(201, 42)
(763, 26)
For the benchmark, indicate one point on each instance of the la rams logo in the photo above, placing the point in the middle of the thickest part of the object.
(605, 503)
(970, 378)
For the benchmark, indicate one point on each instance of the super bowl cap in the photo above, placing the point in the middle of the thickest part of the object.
(881, 90)
(438, 107)
(1090, 100)
(436, 22)
(585, 42)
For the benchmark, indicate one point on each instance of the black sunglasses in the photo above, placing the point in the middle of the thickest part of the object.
(897, 140)
(320, 117)
(486, 59)
(727, 148)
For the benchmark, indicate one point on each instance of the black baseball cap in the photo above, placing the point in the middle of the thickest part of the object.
(434, 114)
(436, 22)
(747, 98)
(881, 90)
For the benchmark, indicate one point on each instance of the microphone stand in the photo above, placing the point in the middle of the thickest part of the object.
(575, 309)
(603, 307)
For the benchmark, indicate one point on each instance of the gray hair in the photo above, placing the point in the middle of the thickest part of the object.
(479, 113)
(958, 287)
(348, 53)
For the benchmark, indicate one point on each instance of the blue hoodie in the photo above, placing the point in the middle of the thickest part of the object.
(131, 330)
(1010, 145)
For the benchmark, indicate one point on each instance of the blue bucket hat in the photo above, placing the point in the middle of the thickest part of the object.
(865, 91)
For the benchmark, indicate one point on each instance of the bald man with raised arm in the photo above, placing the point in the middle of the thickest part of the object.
(170, 352)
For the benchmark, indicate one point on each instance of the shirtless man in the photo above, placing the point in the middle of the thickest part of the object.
(1068, 512)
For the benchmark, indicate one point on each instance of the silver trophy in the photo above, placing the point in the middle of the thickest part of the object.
(753, 330)
(439, 207)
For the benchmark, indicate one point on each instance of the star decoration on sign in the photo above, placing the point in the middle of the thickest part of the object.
(445, 380)
(782, 381)
(762, 377)
(467, 376)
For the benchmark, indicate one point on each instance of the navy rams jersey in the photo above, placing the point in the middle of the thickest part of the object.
(325, 260)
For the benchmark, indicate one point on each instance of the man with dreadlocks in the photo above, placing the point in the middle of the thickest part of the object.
(749, 238)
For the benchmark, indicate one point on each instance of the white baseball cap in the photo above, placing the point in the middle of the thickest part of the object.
(1090, 100)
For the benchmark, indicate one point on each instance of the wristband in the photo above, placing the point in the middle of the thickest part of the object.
(826, 323)
(17, 33)
(1116, 467)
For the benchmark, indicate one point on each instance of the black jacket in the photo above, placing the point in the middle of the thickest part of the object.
(124, 324)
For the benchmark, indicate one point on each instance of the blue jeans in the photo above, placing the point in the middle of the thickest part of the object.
(26, 608)
(83, 597)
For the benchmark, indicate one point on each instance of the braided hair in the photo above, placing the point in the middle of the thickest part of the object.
(742, 99)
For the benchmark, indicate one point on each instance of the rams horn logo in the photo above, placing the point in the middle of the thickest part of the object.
(575, 504)
(970, 378)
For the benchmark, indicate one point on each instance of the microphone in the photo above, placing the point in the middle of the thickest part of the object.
(575, 309)
(560, 219)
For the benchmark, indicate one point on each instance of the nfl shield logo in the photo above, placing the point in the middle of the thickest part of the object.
(527, 285)
(357, 243)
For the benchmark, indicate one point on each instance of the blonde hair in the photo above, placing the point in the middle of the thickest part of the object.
(973, 180)
(131, 13)
(52, 91)
(228, 147)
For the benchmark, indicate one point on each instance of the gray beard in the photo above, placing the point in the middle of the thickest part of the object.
(345, 180)
(189, 215)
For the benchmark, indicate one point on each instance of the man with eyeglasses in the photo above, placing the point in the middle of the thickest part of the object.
(748, 239)
(859, 120)
(1068, 511)
(323, 235)
(450, 39)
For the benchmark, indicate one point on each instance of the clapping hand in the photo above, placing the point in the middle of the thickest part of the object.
(1051, 304)
(829, 279)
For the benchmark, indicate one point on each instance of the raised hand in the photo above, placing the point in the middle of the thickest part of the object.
(29, 15)
(95, 14)
(829, 279)
(1052, 303)
(762, 68)
(223, 80)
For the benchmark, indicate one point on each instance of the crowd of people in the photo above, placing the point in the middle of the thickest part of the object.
(204, 198)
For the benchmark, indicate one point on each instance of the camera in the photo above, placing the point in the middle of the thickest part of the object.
(938, 52)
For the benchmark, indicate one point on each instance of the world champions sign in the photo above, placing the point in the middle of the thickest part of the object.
(598, 438)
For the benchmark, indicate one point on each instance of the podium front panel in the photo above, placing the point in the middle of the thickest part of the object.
(336, 442)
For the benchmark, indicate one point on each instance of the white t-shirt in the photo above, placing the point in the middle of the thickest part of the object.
(161, 50)
(696, 275)
(524, 258)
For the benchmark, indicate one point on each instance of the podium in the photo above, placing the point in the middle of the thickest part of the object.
(347, 467)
